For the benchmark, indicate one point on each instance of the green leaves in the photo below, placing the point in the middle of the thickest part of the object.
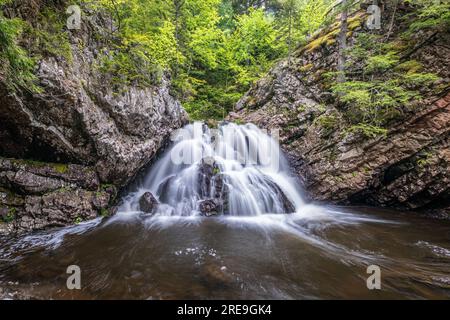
(432, 15)
(380, 63)
(373, 103)
(16, 67)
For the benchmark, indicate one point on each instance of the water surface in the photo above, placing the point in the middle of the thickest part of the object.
(321, 254)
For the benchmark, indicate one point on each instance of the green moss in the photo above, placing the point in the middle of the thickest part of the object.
(64, 189)
(306, 67)
(354, 23)
(58, 167)
(410, 66)
(10, 216)
(318, 42)
(329, 38)
(424, 159)
(78, 220)
(331, 42)
(301, 109)
(105, 186)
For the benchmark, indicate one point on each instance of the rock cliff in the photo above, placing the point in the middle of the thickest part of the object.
(407, 166)
(100, 134)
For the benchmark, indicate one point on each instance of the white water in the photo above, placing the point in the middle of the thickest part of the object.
(250, 174)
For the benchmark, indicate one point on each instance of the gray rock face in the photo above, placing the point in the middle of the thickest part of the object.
(148, 203)
(38, 195)
(103, 132)
(407, 169)
(81, 118)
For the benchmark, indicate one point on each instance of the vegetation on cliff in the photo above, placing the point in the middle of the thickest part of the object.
(213, 49)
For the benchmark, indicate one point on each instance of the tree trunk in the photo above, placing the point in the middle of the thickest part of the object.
(342, 42)
(177, 6)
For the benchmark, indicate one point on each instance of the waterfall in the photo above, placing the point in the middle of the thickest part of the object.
(236, 170)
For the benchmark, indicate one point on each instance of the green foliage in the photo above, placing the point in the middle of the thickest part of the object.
(48, 36)
(328, 122)
(9, 217)
(419, 79)
(104, 212)
(367, 130)
(386, 89)
(17, 67)
(142, 42)
(215, 49)
(376, 102)
(431, 15)
(410, 66)
(380, 63)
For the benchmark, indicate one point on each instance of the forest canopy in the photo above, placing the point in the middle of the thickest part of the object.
(214, 49)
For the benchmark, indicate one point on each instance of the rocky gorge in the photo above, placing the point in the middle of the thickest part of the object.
(407, 166)
(67, 150)
(159, 150)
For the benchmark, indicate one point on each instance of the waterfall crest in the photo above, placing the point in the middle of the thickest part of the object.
(236, 170)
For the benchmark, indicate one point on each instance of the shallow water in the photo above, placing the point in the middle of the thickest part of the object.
(315, 253)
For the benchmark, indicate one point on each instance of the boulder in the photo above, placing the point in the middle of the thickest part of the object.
(208, 208)
(148, 203)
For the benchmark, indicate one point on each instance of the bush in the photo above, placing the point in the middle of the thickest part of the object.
(17, 68)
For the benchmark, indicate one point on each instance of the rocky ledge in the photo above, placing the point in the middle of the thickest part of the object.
(36, 195)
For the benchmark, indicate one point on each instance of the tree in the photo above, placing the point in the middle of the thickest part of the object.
(291, 9)
(342, 41)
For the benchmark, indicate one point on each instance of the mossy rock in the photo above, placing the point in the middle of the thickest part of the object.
(58, 167)
(306, 67)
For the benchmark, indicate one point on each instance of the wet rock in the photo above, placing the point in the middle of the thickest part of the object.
(148, 203)
(209, 208)
(90, 137)
(208, 169)
(286, 204)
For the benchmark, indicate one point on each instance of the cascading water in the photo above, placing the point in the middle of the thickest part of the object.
(251, 252)
(235, 170)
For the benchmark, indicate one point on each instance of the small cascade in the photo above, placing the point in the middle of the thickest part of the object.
(236, 170)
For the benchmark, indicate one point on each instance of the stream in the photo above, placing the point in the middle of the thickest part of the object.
(229, 222)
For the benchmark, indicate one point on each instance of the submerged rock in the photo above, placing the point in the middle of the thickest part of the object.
(148, 203)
